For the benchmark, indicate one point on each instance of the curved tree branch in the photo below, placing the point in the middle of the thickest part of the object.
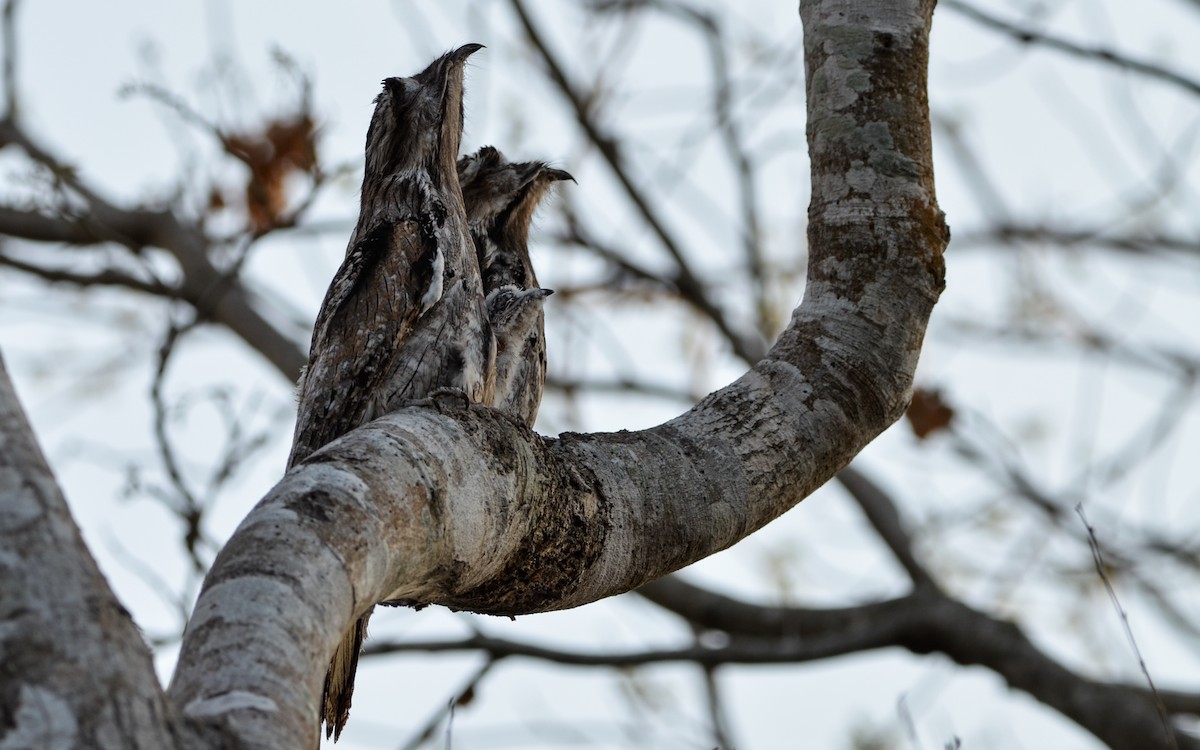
(458, 505)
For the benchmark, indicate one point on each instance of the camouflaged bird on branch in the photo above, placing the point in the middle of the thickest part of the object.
(436, 293)
(501, 198)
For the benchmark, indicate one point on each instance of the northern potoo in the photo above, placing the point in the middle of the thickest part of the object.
(500, 198)
(381, 336)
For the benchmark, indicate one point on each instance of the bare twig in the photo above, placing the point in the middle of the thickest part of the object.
(987, 194)
(188, 506)
(1098, 558)
(689, 286)
(722, 735)
(215, 294)
(884, 517)
(738, 154)
(106, 277)
(1026, 35)
(1177, 363)
(1135, 244)
(461, 696)
(621, 385)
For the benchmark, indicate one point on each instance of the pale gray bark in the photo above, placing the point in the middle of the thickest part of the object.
(458, 505)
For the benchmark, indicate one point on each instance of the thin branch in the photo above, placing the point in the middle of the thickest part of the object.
(1004, 464)
(1098, 558)
(620, 385)
(734, 141)
(690, 287)
(107, 277)
(884, 517)
(989, 197)
(722, 735)
(461, 696)
(1174, 362)
(189, 508)
(928, 622)
(217, 295)
(1026, 35)
(1134, 244)
(578, 235)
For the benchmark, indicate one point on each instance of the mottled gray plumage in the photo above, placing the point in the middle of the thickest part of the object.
(500, 198)
(517, 320)
(409, 268)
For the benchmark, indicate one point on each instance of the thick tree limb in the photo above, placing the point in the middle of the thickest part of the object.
(457, 505)
(810, 635)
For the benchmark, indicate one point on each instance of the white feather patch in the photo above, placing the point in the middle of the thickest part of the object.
(434, 292)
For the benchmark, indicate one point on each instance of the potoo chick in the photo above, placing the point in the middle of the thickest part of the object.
(500, 198)
(409, 268)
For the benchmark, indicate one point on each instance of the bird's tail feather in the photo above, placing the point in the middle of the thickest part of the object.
(339, 680)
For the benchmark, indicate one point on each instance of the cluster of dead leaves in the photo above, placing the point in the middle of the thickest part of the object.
(284, 147)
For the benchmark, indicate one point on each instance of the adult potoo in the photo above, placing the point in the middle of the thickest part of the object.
(500, 198)
(410, 263)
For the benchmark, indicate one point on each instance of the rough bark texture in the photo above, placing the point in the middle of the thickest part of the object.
(461, 506)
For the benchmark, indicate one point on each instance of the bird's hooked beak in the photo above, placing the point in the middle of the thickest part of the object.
(559, 175)
(445, 73)
(461, 54)
(445, 76)
(537, 174)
